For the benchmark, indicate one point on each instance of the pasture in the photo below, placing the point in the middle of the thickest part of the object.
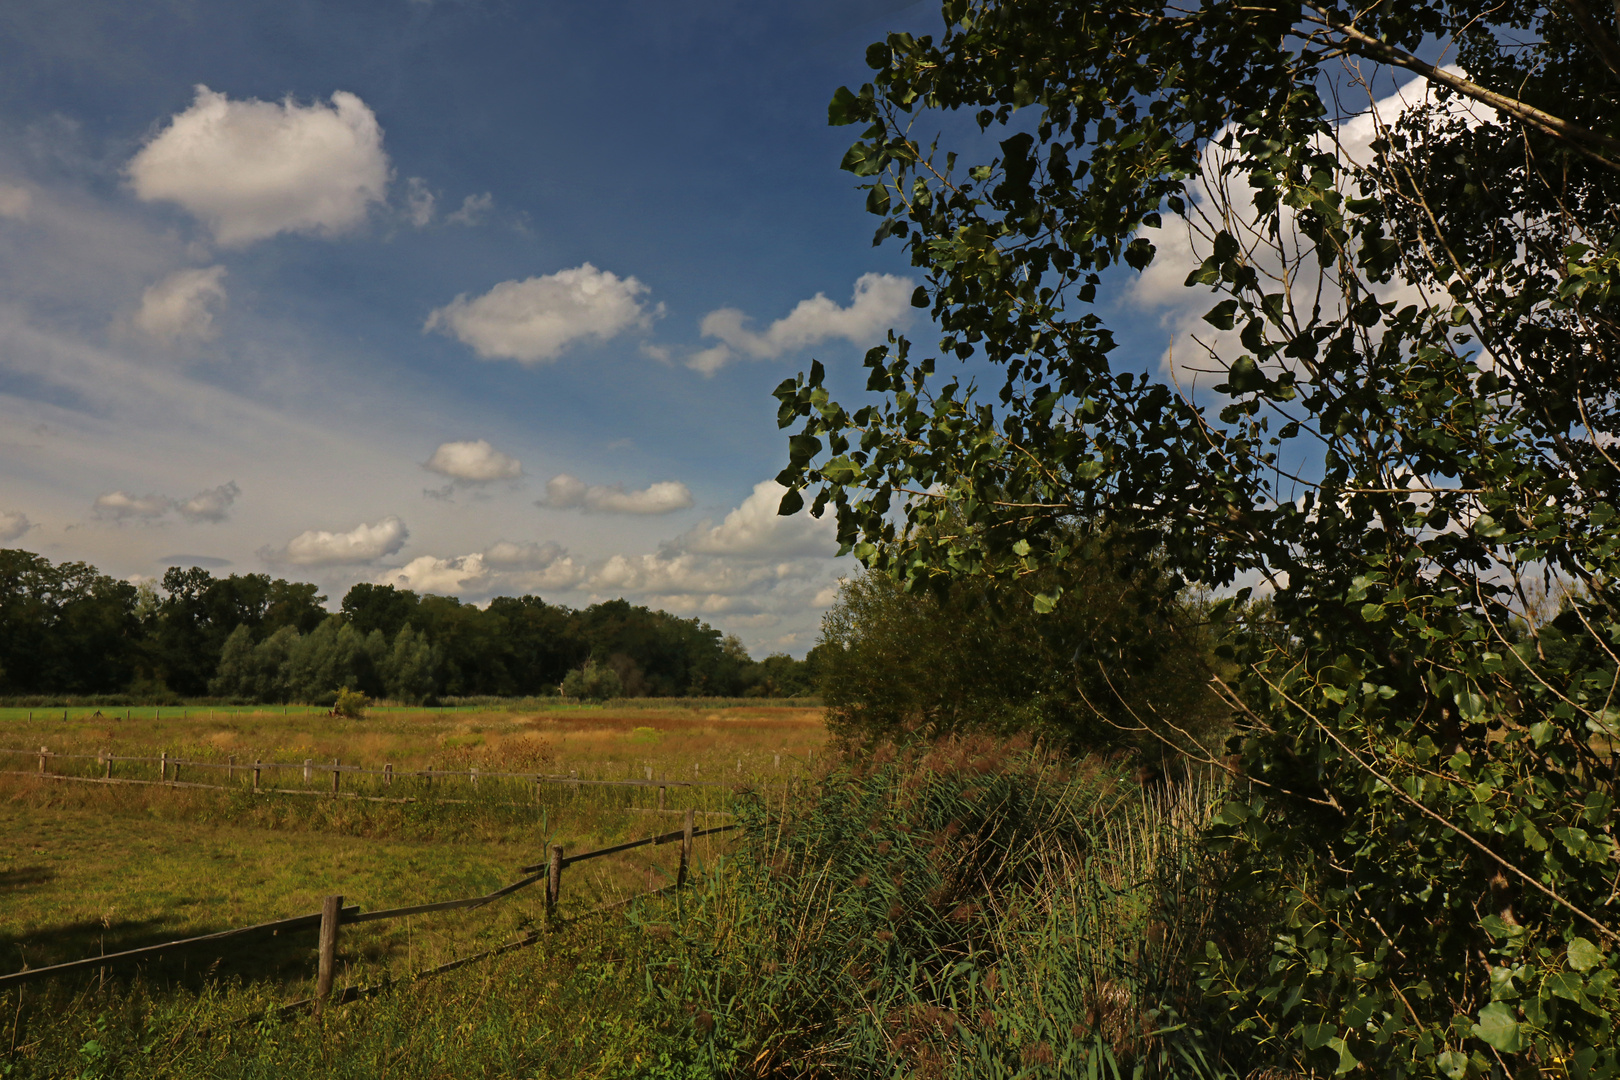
(88, 868)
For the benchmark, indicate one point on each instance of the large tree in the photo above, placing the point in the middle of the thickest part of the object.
(1412, 435)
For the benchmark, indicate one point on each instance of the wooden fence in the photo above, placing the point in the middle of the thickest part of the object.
(169, 770)
(334, 914)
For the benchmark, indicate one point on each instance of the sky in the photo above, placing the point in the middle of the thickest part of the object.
(471, 297)
(474, 297)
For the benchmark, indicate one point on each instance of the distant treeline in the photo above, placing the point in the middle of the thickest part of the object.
(67, 628)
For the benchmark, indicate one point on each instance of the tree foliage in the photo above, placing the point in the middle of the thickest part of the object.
(1414, 425)
(976, 657)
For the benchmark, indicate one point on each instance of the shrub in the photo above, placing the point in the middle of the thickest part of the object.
(593, 682)
(351, 703)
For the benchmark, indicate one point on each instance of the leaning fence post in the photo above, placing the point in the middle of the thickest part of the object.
(331, 914)
(686, 849)
(553, 880)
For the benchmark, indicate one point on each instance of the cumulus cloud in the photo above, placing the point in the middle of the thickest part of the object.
(473, 209)
(880, 301)
(251, 169)
(14, 201)
(475, 462)
(503, 567)
(535, 320)
(211, 505)
(564, 492)
(182, 305)
(120, 506)
(361, 544)
(13, 523)
(419, 202)
(755, 528)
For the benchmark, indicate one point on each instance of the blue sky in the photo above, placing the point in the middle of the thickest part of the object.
(416, 292)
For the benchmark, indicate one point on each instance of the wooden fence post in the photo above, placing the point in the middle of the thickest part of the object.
(472, 773)
(258, 768)
(388, 773)
(309, 770)
(230, 768)
(686, 849)
(660, 796)
(553, 880)
(106, 770)
(335, 775)
(163, 766)
(42, 755)
(331, 913)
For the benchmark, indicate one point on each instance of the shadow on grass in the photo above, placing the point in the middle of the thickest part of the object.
(20, 877)
(288, 957)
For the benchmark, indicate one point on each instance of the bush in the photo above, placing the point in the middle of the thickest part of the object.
(351, 703)
(593, 682)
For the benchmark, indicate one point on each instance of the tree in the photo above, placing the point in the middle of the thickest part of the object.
(64, 628)
(593, 682)
(978, 657)
(1415, 337)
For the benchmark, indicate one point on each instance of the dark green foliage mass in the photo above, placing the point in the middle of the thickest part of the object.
(1104, 671)
(1416, 346)
(67, 629)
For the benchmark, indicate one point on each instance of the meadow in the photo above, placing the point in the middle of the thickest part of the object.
(92, 868)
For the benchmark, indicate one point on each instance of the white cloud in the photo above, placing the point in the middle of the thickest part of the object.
(13, 524)
(473, 209)
(474, 462)
(755, 528)
(425, 573)
(252, 169)
(182, 305)
(504, 567)
(564, 492)
(211, 505)
(534, 320)
(880, 301)
(361, 544)
(119, 505)
(506, 555)
(14, 201)
(418, 202)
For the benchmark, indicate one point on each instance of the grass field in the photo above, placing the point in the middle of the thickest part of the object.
(92, 868)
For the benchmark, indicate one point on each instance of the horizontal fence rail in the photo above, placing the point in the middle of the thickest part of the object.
(334, 914)
(309, 767)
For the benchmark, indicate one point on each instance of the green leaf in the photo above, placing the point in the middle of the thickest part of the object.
(1046, 602)
(1221, 316)
(1453, 1064)
(1499, 1026)
(1582, 954)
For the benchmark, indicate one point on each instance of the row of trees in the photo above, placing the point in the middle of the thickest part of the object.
(69, 629)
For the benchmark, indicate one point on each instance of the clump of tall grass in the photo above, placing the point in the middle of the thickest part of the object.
(970, 908)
